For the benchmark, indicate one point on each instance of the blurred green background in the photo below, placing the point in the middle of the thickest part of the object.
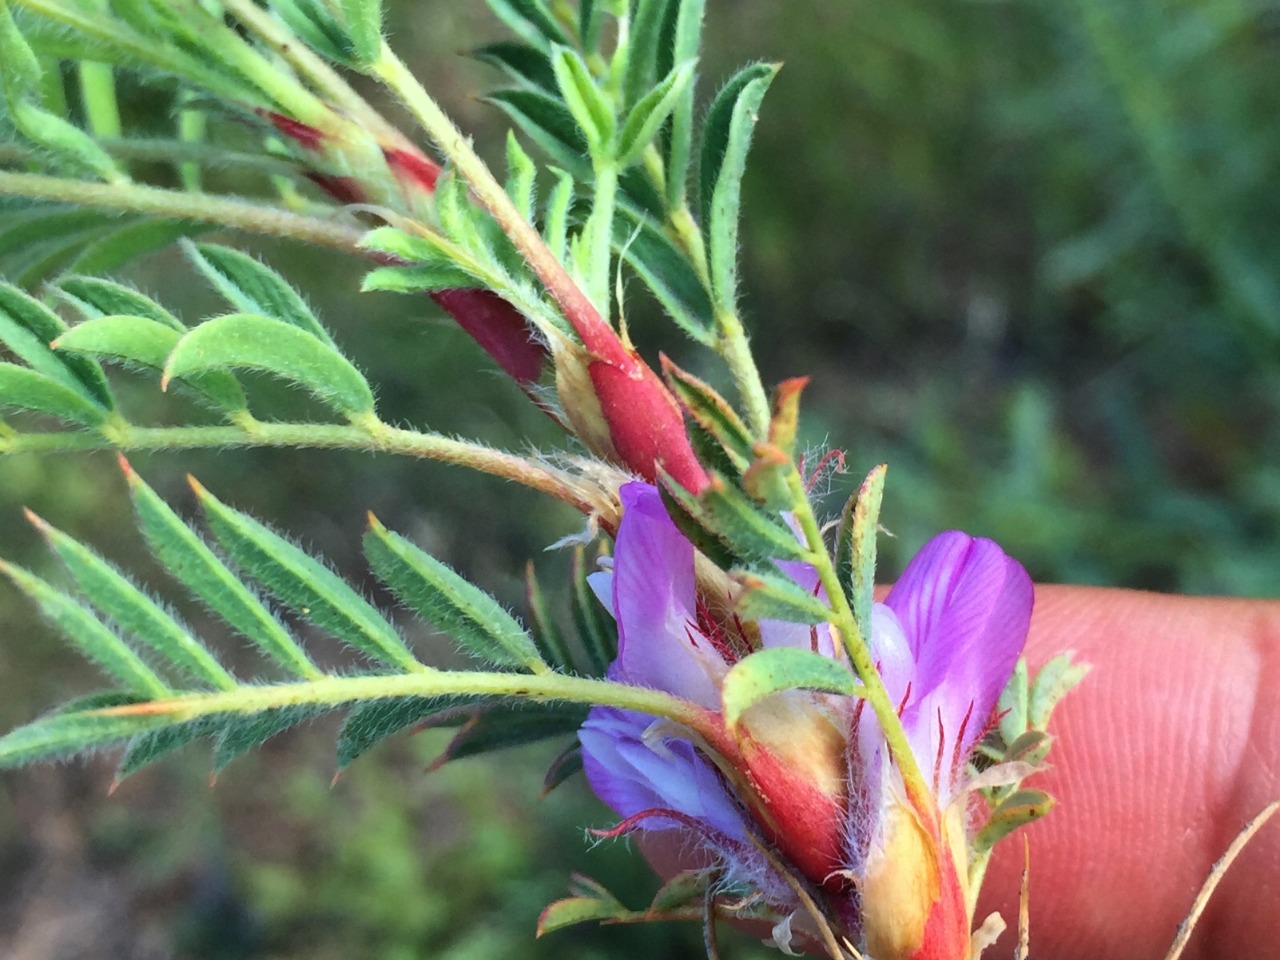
(1028, 252)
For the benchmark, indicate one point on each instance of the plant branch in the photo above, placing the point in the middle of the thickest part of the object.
(169, 151)
(573, 302)
(856, 646)
(333, 691)
(247, 215)
(735, 349)
(375, 437)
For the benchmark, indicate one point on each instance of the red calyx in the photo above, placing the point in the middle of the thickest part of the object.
(413, 167)
(499, 329)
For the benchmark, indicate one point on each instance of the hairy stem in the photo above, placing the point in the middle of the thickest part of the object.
(600, 236)
(332, 691)
(734, 347)
(251, 216)
(573, 302)
(374, 437)
(856, 646)
(169, 151)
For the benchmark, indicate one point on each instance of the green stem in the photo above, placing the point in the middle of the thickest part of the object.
(169, 151)
(332, 691)
(735, 349)
(600, 235)
(193, 127)
(573, 302)
(374, 437)
(855, 645)
(98, 93)
(254, 217)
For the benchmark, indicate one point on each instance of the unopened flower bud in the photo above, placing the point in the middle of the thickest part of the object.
(913, 887)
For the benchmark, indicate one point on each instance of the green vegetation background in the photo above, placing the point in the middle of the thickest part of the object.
(1028, 252)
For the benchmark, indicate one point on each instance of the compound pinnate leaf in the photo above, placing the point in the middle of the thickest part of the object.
(304, 584)
(437, 594)
(185, 555)
(132, 610)
(93, 638)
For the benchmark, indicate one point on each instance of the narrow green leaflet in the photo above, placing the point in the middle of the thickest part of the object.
(773, 596)
(680, 39)
(132, 611)
(520, 61)
(418, 249)
(866, 525)
(555, 222)
(437, 594)
(304, 583)
(25, 389)
(520, 177)
(417, 279)
(311, 21)
(531, 20)
(647, 19)
(595, 625)
(247, 341)
(153, 746)
(1053, 682)
(1011, 708)
(1016, 810)
(90, 635)
(767, 672)
(726, 139)
(647, 117)
(27, 327)
(713, 413)
(68, 734)
(237, 735)
(253, 287)
(552, 646)
(588, 105)
(548, 123)
(149, 343)
(364, 27)
(371, 723)
(96, 297)
(727, 513)
(499, 726)
(666, 271)
(189, 560)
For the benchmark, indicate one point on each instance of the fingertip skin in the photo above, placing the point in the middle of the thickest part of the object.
(1163, 753)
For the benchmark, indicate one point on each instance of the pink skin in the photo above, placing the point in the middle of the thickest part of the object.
(1164, 752)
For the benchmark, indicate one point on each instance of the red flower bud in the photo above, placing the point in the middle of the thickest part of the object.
(913, 890)
(794, 758)
(412, 168)
(309, 137)
(499, 329)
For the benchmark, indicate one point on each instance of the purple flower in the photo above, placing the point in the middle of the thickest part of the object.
(812, 773)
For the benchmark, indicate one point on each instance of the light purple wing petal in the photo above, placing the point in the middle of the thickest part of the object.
(631, 774)
(653, 597)
(965, 607)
